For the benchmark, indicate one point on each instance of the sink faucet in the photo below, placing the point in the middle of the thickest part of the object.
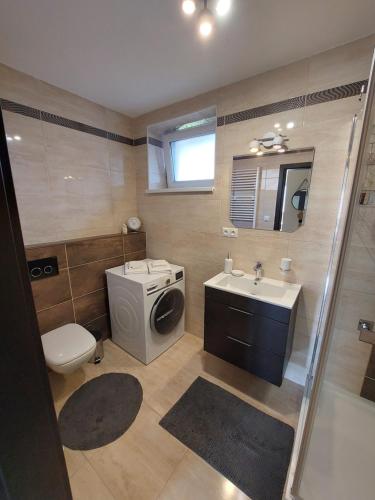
(258, 271)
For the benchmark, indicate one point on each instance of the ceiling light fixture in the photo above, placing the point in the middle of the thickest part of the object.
(189, 7)
(206, 22)
(9, 139)
(223, 7)
(290, 125)
(206, 19)
(17, 137)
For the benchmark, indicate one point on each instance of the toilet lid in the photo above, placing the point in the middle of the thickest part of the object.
(67, 343)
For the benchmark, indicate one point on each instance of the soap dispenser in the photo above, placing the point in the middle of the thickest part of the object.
(228, 264)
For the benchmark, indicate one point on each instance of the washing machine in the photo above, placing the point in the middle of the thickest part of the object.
(147, 311)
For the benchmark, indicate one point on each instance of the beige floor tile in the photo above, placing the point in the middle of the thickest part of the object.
(75, 460)
(86, 485)
(194, 479)
(147, 461)
(138, 465)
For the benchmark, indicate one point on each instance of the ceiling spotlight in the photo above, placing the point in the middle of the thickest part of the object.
(277, 125)
(223, 7)
(9, 139)
(290, 125)
(188, 6)
(17, 137)
(254, 146)
(206, 22)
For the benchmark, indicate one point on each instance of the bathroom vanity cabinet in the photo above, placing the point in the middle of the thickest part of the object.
(254, 335)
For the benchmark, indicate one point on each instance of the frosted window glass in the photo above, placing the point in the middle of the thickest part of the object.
(194, 159)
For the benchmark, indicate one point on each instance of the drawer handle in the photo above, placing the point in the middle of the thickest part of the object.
(239, 341)
(241, 311)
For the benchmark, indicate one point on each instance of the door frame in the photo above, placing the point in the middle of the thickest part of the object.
(32, 463)
(316, 382)
(281, 186)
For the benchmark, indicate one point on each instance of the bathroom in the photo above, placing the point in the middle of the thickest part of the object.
(100, 229)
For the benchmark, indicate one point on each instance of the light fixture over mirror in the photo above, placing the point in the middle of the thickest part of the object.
(206, 19)
(269, 141)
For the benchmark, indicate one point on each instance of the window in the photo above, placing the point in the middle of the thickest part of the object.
(190, 157)
(193, 159)
(186, 148)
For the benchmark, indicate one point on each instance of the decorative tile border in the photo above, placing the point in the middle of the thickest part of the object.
(155, 142)
(322, 96)
(21, 109)
(140, 141)
(65, 122)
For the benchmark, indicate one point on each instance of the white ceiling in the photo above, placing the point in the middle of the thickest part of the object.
(137, 55)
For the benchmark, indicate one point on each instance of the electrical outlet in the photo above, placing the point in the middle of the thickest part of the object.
(230, 232)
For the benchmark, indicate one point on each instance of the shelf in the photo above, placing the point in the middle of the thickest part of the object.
(180, 190)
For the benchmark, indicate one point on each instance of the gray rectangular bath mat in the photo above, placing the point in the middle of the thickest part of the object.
(248, 447)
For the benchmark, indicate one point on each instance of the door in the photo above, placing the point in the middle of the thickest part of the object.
(32, 464)
(167, 311)
(338, 459)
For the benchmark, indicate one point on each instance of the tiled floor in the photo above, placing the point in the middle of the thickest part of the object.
(147, 462)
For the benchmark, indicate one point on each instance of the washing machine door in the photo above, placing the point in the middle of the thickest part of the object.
(167, 311)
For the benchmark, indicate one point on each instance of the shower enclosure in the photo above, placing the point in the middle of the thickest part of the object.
(334, 454)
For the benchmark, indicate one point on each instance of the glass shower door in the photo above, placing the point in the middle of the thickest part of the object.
(338, 459)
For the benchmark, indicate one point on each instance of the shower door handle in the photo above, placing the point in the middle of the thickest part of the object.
(367, 333)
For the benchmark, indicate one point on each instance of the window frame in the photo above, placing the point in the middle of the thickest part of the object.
(181, 135)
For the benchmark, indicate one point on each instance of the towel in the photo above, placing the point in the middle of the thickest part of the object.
(136, 267)
(159, 266)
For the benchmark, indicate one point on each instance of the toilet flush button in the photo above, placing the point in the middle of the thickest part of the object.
(48, 270)
(36, 272)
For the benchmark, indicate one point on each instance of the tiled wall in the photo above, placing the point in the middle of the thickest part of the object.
(72, 181)
(78, 293)
(190, 233)
(73, 167)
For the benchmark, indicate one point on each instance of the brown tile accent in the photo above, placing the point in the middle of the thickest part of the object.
(82, 265)
(134, 242)
(102, 324)
(90, 307)
(89, 250)
(51, 291)
(90, 277)
(368, 389)
(370, 372)
(55, 317)
(43, 251)
(135, 256)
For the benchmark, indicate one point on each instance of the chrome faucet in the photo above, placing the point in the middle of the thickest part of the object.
(258, 271)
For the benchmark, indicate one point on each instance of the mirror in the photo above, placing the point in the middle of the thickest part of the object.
(271, 191)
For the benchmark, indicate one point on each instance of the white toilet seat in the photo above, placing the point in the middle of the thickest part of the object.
(68, 347)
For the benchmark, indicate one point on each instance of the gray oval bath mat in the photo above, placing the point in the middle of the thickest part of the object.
(100, 411)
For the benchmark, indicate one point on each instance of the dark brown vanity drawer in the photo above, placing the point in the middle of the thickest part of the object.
(277, 313)
(259, 331)
(262, 363)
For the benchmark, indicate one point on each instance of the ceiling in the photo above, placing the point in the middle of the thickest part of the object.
(134, 56)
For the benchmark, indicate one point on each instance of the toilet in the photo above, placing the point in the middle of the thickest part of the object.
(68, 347)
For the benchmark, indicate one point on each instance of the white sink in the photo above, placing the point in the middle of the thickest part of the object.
(267, 290)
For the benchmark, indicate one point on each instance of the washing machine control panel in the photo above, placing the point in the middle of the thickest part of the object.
(163, 282)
